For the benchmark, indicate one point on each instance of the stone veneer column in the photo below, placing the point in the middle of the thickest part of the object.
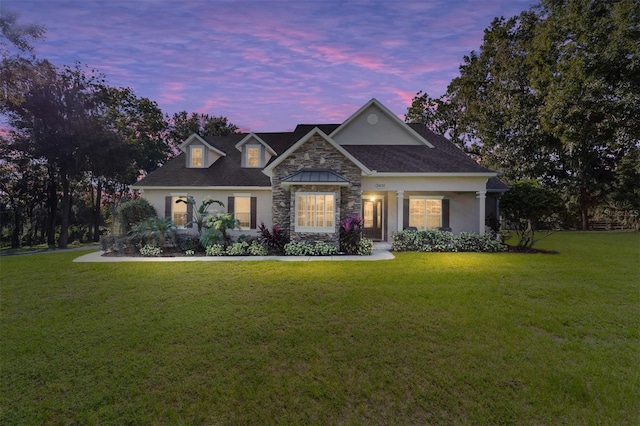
(313, 154)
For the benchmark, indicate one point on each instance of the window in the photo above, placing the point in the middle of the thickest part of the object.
(315, 212)
(253, 156)
(197, 156)
(242, 210)
(178, 212)
(425, 213)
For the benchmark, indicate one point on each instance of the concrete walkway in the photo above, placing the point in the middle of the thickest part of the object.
(380, 252)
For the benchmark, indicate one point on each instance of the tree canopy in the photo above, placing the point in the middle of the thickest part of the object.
(553, 94)
(182, 125)
(74, 142)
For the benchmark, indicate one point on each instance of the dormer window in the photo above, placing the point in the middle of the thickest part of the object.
(253, 156)
(197, 156)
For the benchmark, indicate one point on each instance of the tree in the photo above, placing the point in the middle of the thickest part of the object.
(133, 144)
(14, 34)
(586, 66)
(441, 117)
(528, 207)
(497, 106)
(22, 184)
(553, 94)
(58, 116)
(182, 125)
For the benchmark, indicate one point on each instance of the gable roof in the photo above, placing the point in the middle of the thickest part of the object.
(394, 118)
(257, 138)
(195, 137)
(316, 131)
(225, 172)
(437, 155)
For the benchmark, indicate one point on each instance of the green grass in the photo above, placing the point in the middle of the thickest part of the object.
(428, 338)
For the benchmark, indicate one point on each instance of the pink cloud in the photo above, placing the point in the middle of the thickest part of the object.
(172, 92)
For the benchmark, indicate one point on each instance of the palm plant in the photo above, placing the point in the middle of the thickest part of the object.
(221, 222)
(155, 231)
(199, 216)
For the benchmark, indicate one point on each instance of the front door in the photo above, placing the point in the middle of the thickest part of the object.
(372, 219)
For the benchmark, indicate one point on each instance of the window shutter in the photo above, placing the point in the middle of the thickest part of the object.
(189, 215)
(254, 212)
(167, 206)
(405, 213)
(445, 214)
(231, 205)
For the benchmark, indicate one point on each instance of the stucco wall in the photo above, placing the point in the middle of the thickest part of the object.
(263, 208)
(374, 127)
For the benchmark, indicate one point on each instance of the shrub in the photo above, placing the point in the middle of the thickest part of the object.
(323, 249)
(443, 241)
(305, 249)
(215, 250)
(150, 251)
(365, 247)
(222, 222)
(238, 249)
(189, 253)
(350, 234)
(274, 240)
(298, 249)
(199, 215)
(135, 211)
(210, 237)
(188, 242)
(469, 241)
(155, 231)
(429, 240)
(528, 207)
(257, 249)
(118, 244)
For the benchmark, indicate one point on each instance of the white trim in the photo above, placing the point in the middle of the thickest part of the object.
(235, 209)
(315, 229)
(257, 138)
(202, 158)
(173, 212)
(427, 197)
(214, 188)
(433, 174)
(183, 146)
(389, 114)
(267, 170)
(245, 155)
(424, 213)
(242, 194)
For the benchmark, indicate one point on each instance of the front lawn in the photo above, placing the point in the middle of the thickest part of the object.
(428, 338)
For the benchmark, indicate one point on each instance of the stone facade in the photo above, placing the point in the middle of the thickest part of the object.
(316, 153)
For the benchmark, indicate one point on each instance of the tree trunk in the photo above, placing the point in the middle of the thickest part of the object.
(65, 207)
(52, 206)
(584, 209)
(96, 212)
(17, 228)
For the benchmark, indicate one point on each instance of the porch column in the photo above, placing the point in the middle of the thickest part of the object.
(481, 196)
(400, 214)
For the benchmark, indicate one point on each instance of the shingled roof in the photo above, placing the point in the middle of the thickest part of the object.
(445, 157)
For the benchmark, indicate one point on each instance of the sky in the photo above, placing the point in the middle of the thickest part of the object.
(267, 65)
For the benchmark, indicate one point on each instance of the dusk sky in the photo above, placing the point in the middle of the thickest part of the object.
(267, 65)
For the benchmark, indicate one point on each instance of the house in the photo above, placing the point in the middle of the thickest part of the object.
(395, 175)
